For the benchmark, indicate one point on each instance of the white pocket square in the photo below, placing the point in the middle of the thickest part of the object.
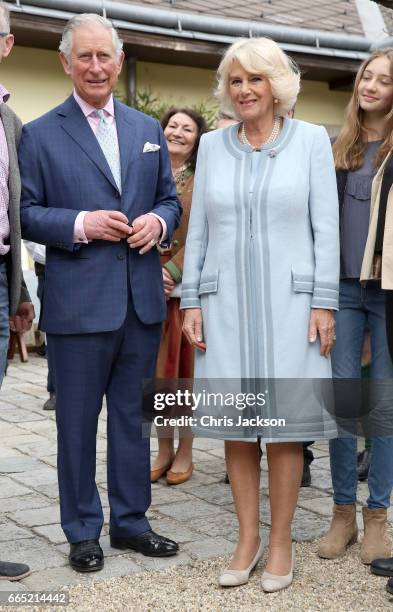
(148, 147)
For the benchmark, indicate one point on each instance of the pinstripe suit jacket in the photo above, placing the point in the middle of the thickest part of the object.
(17, 289)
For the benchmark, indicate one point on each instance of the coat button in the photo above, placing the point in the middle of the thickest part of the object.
(121, 256)
(175, 242)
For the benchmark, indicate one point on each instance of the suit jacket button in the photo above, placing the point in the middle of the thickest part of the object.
(121, 256)
(117, 195)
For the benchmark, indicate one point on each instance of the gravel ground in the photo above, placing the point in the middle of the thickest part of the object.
(344, 585)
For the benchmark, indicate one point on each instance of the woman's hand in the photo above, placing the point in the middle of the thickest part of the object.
(192, 327)
(169, 283)
(322, 323)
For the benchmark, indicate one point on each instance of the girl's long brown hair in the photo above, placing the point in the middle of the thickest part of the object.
(348, 150)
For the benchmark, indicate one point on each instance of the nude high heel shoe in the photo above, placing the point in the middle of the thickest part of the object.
(231, 577)
(272, 582)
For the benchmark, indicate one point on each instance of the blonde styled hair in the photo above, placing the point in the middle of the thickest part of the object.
(349, 148)
(260, 56)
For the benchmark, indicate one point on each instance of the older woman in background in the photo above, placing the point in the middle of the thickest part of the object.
(260, 280)
(183, 128)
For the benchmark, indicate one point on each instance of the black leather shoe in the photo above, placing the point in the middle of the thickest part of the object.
(148, 543)
(50, 403)
(364, 459)
(13, 571)
(389, 586)
(382, 567)
(86, 556)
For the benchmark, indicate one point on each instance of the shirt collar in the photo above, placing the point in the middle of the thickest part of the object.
(4, 94)
(87, 109)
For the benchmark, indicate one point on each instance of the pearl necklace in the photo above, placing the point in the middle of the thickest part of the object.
(273, 136)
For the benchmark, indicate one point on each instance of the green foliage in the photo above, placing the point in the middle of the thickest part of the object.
(150, 104)
(209, 110)
(146, 102)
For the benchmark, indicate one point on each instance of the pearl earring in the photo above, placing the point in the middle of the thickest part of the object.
(275, 101)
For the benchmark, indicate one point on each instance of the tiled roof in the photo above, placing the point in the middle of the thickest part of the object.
(333, 15)
(387, 15)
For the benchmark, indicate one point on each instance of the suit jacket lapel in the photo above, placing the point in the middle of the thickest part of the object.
(126, 135)
(77, 126)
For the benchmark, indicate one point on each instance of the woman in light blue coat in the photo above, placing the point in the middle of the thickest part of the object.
(260, 284)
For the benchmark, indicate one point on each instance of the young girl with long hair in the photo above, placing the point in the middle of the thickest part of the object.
(360, 151)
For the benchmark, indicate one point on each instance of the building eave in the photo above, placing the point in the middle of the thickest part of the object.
(190, 25)
(186, 37)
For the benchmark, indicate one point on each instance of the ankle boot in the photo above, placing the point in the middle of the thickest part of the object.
(376, 543)
(343, 531)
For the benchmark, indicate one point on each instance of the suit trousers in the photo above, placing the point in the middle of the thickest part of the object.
(4, 320)
(87, 367)
(40, 294)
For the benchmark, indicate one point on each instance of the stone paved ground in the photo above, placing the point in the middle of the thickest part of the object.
(198, 514)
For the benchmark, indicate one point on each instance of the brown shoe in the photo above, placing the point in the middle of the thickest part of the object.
(376, 543)
(175, 478)
(343, 532)
(157, 473)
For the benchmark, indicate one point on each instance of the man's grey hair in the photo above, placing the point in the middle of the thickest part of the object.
(86, 19)
(4, 17)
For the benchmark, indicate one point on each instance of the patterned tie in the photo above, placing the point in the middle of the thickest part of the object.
(107, 140)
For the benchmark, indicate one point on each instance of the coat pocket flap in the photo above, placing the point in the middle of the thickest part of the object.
(302, 282)
(209, 283)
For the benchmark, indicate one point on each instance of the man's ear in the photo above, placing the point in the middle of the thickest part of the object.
(120, 61)
(8, 44)
(66, 65)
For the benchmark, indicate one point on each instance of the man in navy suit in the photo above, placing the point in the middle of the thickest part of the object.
(97, 189)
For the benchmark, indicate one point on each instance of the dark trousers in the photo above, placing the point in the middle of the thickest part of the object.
(308, 455)
(40, 273)
(87, 367)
